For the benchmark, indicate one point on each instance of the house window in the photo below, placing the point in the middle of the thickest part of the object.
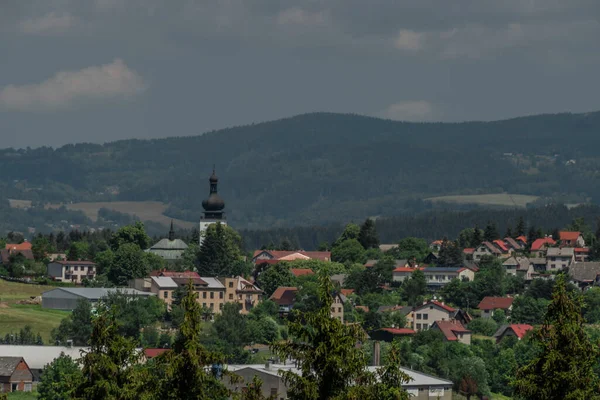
(212, 305)
(339, 309)
(221, 294)
(166, 295)
(230, 284)
(76, 268)
(230, 296)
(27, 387)
(221, 306)
(332, 309)
(204, 305)
(212, 295)
(418, 316)
(203, 295)
(197, 295)
(425, 316)
(418, 326)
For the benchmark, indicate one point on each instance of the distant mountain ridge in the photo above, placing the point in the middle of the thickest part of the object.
(321, 167)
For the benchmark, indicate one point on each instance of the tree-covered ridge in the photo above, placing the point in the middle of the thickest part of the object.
(320, 167)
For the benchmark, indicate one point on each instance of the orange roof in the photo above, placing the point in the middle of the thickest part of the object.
(494, 303)
(437, 242)
(522, 238)
(444, 306)
(151, 353)
(520, 329)
(21, 246)
(363, 308)
(281, 291)
(346, 292)
(399, 331)
(301, 271)
(501, 245)
(566, 235)
(582, 249)
(404, 269)
(278, 254)
(539, 243)
(469, 250)
(451, 328)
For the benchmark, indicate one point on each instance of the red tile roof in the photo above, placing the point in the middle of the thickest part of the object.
(582, 249)
(469, 250)
(520, 329)
(566, 235)
(20, 246)
(151, 353)
(539, 243)
(501, 245)
(284, 295)
(522, 238)
(451, 328)
(277, 254)
(81, 262)
(346, 292)
(495, 303)
(404, 269)
(444, 306)
(301, 271)
(398, 331)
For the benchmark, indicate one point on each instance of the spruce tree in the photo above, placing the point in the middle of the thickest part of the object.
(564, 366)
(520, 229)
(491, 232)
(368, 236)
(477, 237)
(509, 232)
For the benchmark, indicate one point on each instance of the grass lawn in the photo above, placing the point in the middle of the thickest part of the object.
(41, 320)
(498, 199)
(22, 396)
(11, 292)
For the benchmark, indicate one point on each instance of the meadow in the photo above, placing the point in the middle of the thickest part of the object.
(497, 199)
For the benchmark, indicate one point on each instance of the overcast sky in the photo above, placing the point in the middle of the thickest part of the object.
(102, 70)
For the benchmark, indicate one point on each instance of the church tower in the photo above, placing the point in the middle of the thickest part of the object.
(213, 208)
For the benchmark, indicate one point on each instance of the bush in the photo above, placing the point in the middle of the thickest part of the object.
(483, 326)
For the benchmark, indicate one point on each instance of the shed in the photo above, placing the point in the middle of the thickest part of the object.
(64, 298)
(15, 375)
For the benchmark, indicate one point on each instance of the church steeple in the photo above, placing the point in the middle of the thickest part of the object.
(214, 205)
(171, 232)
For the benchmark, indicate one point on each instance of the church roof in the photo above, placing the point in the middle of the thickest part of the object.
(168, 249)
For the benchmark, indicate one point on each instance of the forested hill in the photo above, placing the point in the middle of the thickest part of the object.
(320, 167)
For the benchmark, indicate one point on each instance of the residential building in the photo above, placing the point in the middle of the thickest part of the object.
(421, 386)
(399, 274)
(504, 249)
(559, 258)
(339, 279)
(285, 297)
(522, 240)
(538, 263)
(513, 244)
(486, 249)
(582, 254)
(12, 250)
(585, 274)
(37, 357)
(520, 266)
(163, 287)
(425, 315)
(301, 271)
(517, 330)
(242, 291)
(175, 274)
(436, 245)
(211, 293)
(571, 239)
(15, 375)
(71, 271)
(169, 249)
(453, 331)
(539, 246)
(280, 255)
(438, 277)
(66, 298)
(490, 304)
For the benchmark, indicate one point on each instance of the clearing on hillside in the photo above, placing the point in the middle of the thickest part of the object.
(19, 203)
(144, 210)
(497, 199)
(11, 292)
(15, 317)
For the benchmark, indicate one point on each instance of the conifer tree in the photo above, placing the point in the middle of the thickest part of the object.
(477, 237)
(368, 237)
(254, 391)
(520, 229)
(564, 366)
(491, 232)
(184, 371)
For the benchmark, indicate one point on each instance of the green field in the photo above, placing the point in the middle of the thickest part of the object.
(498, 199)
(15, 316)
(22, 396)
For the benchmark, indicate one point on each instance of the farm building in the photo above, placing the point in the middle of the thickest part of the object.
(64, 298)
(37, 357)
(15, 375)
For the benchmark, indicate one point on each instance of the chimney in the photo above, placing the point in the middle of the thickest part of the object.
(70, 343)
(376, 353)
(268, 365)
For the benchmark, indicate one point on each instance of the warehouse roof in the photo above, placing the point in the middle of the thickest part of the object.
(98, 293)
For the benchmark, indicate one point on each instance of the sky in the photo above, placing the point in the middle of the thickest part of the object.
(104, 70)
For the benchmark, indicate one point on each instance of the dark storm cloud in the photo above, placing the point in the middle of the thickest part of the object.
(235, 61)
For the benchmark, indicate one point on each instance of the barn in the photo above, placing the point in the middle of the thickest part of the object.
(66, 298)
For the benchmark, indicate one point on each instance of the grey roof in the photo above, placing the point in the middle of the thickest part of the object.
(8, 365)
(37, 357)
(510, 261)
(522, 263)
(584, 271)
(164, 282)
(339, 278)
(537, 260)
(168, 249)
(398, 263)
(213, 283)
(418, 378)
(98, 293)
(560, 251)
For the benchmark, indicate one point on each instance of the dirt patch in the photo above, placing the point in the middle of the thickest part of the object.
(31, 301)
(4, 305)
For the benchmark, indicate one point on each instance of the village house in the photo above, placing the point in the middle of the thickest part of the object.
(559, 258)
(301, 271)
(513, 244)
(585, 274)
(571, 239)
(71, 271)
(438, 277)
(517, 330)
(15, 375)
(539, 246)
(164, 287)
(504, 249)
(486, 249)
(582, 254)
(453, 331)
(242, 291)
(423, 316)
(399, 274)
(12, 250)
(490, 304)
(279, 255)
(285, 297)
(520, 266)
